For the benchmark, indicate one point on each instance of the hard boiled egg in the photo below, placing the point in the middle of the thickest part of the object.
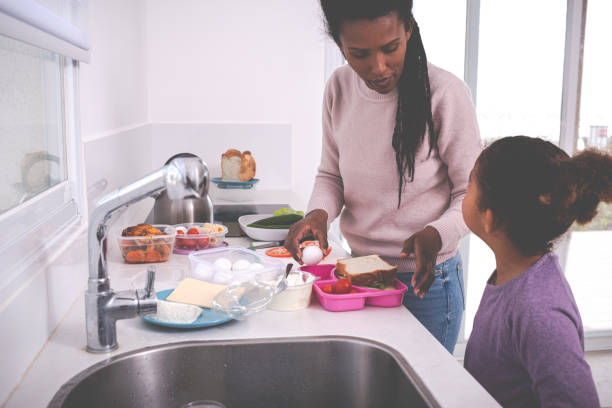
(312, 255)
(240, 265)
(223, 263)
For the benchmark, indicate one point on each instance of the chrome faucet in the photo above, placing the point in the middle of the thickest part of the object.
(181, 178)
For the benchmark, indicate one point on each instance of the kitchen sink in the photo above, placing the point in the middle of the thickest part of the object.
(285, 372)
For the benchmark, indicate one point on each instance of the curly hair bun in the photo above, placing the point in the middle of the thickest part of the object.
(592, 173)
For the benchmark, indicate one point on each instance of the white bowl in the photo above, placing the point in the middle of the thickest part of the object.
(261, 234)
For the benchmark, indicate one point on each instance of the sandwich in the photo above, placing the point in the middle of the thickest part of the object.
(236, 166)
(370, 270)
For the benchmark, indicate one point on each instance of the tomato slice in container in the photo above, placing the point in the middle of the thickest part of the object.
(278, 252)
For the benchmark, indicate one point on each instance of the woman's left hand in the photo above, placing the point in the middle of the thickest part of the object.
(425, 245)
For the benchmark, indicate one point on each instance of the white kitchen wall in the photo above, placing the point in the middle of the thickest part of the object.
(240, 62)
(114, 85)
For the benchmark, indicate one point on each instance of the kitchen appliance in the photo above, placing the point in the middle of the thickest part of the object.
(186, 210)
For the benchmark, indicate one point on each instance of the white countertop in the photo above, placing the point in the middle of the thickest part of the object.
(64, 354)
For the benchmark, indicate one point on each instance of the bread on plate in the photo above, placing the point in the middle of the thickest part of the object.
(367, 270)
(236, 166)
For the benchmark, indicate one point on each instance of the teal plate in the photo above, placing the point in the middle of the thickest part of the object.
(245, 185)
(206, 319)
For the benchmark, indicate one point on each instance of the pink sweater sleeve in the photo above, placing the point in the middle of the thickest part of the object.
(328, 190)
(458, 146)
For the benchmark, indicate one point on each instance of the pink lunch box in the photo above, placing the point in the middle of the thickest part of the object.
(356, 301)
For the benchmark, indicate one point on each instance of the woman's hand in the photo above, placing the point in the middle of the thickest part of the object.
(313, 225)
(425, 245)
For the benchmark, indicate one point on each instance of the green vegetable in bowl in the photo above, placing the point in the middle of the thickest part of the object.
(277, 222)
(287, 211)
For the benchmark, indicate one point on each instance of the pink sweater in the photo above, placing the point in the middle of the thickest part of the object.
(358, 169)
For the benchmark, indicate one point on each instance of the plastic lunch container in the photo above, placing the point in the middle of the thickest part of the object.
(296, 295)
(323, 271)
(186, 244)
(356, 301)
(233, 265)
(147, 249)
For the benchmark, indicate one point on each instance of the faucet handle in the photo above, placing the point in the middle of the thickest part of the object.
(150, 285)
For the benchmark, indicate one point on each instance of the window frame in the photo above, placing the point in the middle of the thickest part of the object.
(568, 138)
(37, 230)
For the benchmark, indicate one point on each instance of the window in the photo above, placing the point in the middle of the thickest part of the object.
(31, 122)
(519, 84)
(443, 34)
(530, 81)
(589, 260)
(41, 193)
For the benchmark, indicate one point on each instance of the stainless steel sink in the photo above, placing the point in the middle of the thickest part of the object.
(287, 372)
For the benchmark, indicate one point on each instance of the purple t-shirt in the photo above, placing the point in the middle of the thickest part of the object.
(527, 343)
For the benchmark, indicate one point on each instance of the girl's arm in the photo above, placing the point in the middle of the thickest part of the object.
(552, 352)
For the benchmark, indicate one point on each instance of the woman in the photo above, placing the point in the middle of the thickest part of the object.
(399, 140)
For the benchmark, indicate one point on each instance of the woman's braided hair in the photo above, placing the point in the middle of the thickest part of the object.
(536, 191)
(413, 116)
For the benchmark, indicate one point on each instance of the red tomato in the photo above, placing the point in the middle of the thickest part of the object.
(342, 286)
(278, 252)
(354, 291)
(202, 242)
(189, 243)
(180, 232)
(328, 289)
(193, 231)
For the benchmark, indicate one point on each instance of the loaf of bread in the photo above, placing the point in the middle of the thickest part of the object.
(236, 166)
(366, 270)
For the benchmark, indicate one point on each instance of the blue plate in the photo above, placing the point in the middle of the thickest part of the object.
(245, 185)
(206, 319)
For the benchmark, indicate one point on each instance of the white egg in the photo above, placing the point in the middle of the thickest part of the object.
(203, 272)
(223, 277)
(255, 267)
(312, 255)
(240, 265)
(223, 263)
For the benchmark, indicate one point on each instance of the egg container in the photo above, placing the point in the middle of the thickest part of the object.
(355, 301)
(205, 266)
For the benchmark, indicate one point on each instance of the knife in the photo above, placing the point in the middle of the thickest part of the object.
(266, 245)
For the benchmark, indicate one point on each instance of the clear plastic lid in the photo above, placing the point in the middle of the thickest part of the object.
(243, 299)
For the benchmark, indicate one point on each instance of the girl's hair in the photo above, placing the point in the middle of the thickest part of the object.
(413, 115)
(536, 191)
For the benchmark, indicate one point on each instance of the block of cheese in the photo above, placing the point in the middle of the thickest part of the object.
(195, 292)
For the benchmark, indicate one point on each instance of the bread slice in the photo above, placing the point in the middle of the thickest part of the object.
(366, 270)
(236, 166)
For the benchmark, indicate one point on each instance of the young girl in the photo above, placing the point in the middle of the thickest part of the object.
(527, 344)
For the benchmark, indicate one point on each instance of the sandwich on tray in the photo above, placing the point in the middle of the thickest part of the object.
(371, 271)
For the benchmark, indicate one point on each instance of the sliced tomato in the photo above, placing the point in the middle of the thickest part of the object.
(278, 252)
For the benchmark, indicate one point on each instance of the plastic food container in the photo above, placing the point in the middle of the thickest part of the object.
(297, 294)
(187, 243)
(356, 301)
(148, 249)
(323, 271)
(233, 265)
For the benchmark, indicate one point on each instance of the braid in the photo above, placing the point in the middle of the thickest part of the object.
(413, 114)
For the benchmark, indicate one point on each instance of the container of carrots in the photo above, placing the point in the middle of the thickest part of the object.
(145, 243)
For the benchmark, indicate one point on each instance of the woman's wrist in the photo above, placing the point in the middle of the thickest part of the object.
(317, 214)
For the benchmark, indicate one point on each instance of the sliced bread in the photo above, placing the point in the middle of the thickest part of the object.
(365, 270)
